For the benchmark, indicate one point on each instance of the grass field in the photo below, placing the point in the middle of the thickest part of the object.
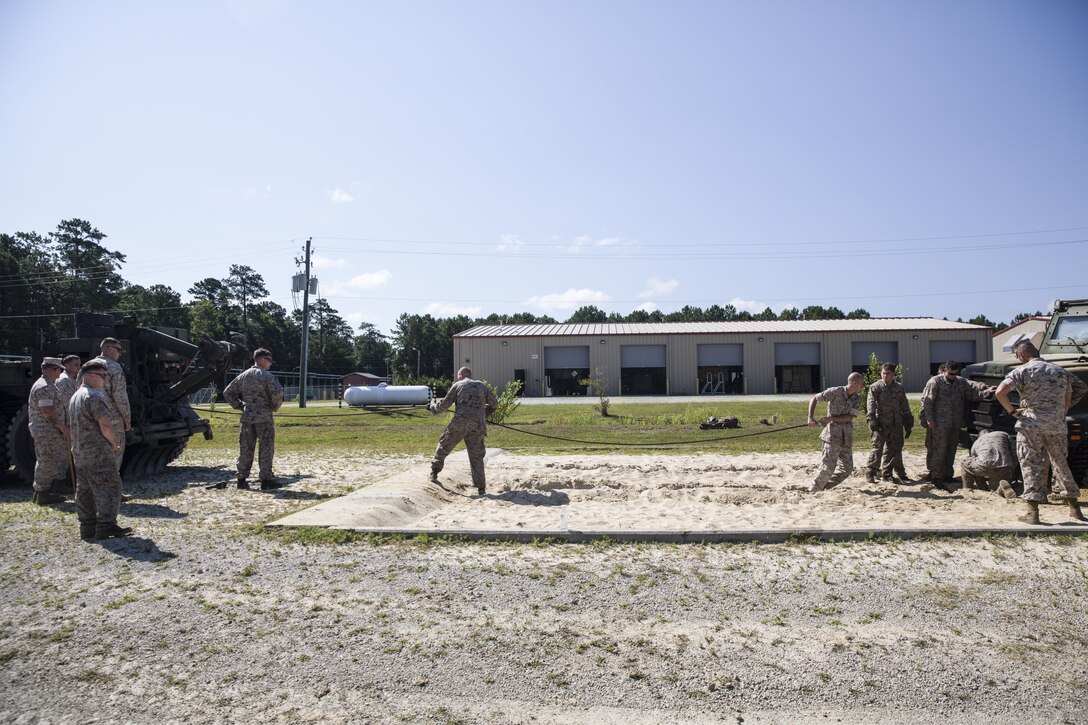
(630, 428)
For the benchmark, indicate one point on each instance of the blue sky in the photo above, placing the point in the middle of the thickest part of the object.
(919, 158)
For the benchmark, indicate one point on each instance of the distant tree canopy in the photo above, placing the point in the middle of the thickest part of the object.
(45, 278)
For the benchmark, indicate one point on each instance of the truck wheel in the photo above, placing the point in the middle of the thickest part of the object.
(21, 446)
(5, 462)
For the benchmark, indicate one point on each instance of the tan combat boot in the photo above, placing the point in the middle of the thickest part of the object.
(1005, 489)
(1032, 516)
(1074, 509)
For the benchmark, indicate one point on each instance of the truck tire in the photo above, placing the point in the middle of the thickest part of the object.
(20, 446)
(5, 462)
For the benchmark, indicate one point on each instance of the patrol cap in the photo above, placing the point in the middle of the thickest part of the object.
(69, 358)
(93, 366)
(54, 361)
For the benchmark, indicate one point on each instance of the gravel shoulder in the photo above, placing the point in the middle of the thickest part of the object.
(205, 617)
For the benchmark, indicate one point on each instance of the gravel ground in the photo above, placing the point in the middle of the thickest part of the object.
(203, 617)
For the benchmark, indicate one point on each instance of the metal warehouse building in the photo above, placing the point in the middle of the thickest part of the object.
(706, 358)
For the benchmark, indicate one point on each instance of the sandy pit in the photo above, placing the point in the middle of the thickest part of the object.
(659, 493)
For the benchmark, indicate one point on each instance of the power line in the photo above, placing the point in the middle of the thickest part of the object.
(562, 245)
(769, 256)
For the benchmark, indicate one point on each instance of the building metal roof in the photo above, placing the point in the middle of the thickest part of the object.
(1033, 318)
(604, 329)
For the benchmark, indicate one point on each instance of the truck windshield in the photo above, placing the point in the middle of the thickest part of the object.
(1071, 327)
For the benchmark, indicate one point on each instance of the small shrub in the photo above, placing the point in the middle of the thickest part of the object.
(508, 401)
(597, 382)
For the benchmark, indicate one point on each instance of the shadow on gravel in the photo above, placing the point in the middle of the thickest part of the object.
(176, 479)
(136, 548)
(150, 511)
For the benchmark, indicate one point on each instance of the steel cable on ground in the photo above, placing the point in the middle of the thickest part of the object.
(601, 444)
(644, 445)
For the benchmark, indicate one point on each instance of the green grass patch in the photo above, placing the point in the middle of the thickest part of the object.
(672, 427)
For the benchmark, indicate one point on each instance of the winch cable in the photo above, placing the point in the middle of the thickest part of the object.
(413, 410)
(610, 444)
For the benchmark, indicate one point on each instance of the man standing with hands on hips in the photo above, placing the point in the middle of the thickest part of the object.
(1047, 392)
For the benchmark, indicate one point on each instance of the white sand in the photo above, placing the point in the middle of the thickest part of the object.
(704, 492)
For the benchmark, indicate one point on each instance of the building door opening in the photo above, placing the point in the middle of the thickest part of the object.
(564, 370)
(961, 351)
(720, 369)
(519, 376)
(643, 370)
(797, 367)
(860, 352)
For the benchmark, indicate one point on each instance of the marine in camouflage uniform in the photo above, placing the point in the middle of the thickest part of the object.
(47, 418)
(116, 392)
(942, 415)
(1047, 392)
(843, 404)
(258, 394)
(890, 420)
(67, 384)
(475, 402)
(95, 442)
(990, 462)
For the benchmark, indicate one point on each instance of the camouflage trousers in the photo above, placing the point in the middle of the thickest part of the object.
(473, 434)
(118, 435)
(835, 466)
(251, 435)
(51, 452)
(98, 491)
(1039, 452)
(886, 456)
(941, 445)
(976, 474)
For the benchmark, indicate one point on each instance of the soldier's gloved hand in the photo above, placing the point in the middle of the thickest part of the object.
(872, 426)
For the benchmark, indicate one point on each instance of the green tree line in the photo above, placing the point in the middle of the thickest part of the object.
(46, 278)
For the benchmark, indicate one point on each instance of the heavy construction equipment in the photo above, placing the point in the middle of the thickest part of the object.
(1064, 343)
(161, 368)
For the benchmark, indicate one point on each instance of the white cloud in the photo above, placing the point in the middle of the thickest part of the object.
(448, 309)
(753, 306)
(511, 243)
(658, 287)
(371, 280)
(319, 262)
(570, 300)
(339, 196)
(585, 241)
(647, 306)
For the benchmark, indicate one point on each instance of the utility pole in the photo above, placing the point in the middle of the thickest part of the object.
(305, 329)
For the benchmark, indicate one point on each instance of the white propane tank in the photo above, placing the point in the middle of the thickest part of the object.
(358, 396)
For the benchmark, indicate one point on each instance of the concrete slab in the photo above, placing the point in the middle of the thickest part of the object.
(408, 504)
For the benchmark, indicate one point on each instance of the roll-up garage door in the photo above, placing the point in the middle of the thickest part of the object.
(642, 356)
(729, 354)
(566, 357)
(797, 353)
(884, 351)
(962, 351)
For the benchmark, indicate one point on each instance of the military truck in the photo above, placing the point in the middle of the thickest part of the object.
(1064, 343)
(161, 368)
